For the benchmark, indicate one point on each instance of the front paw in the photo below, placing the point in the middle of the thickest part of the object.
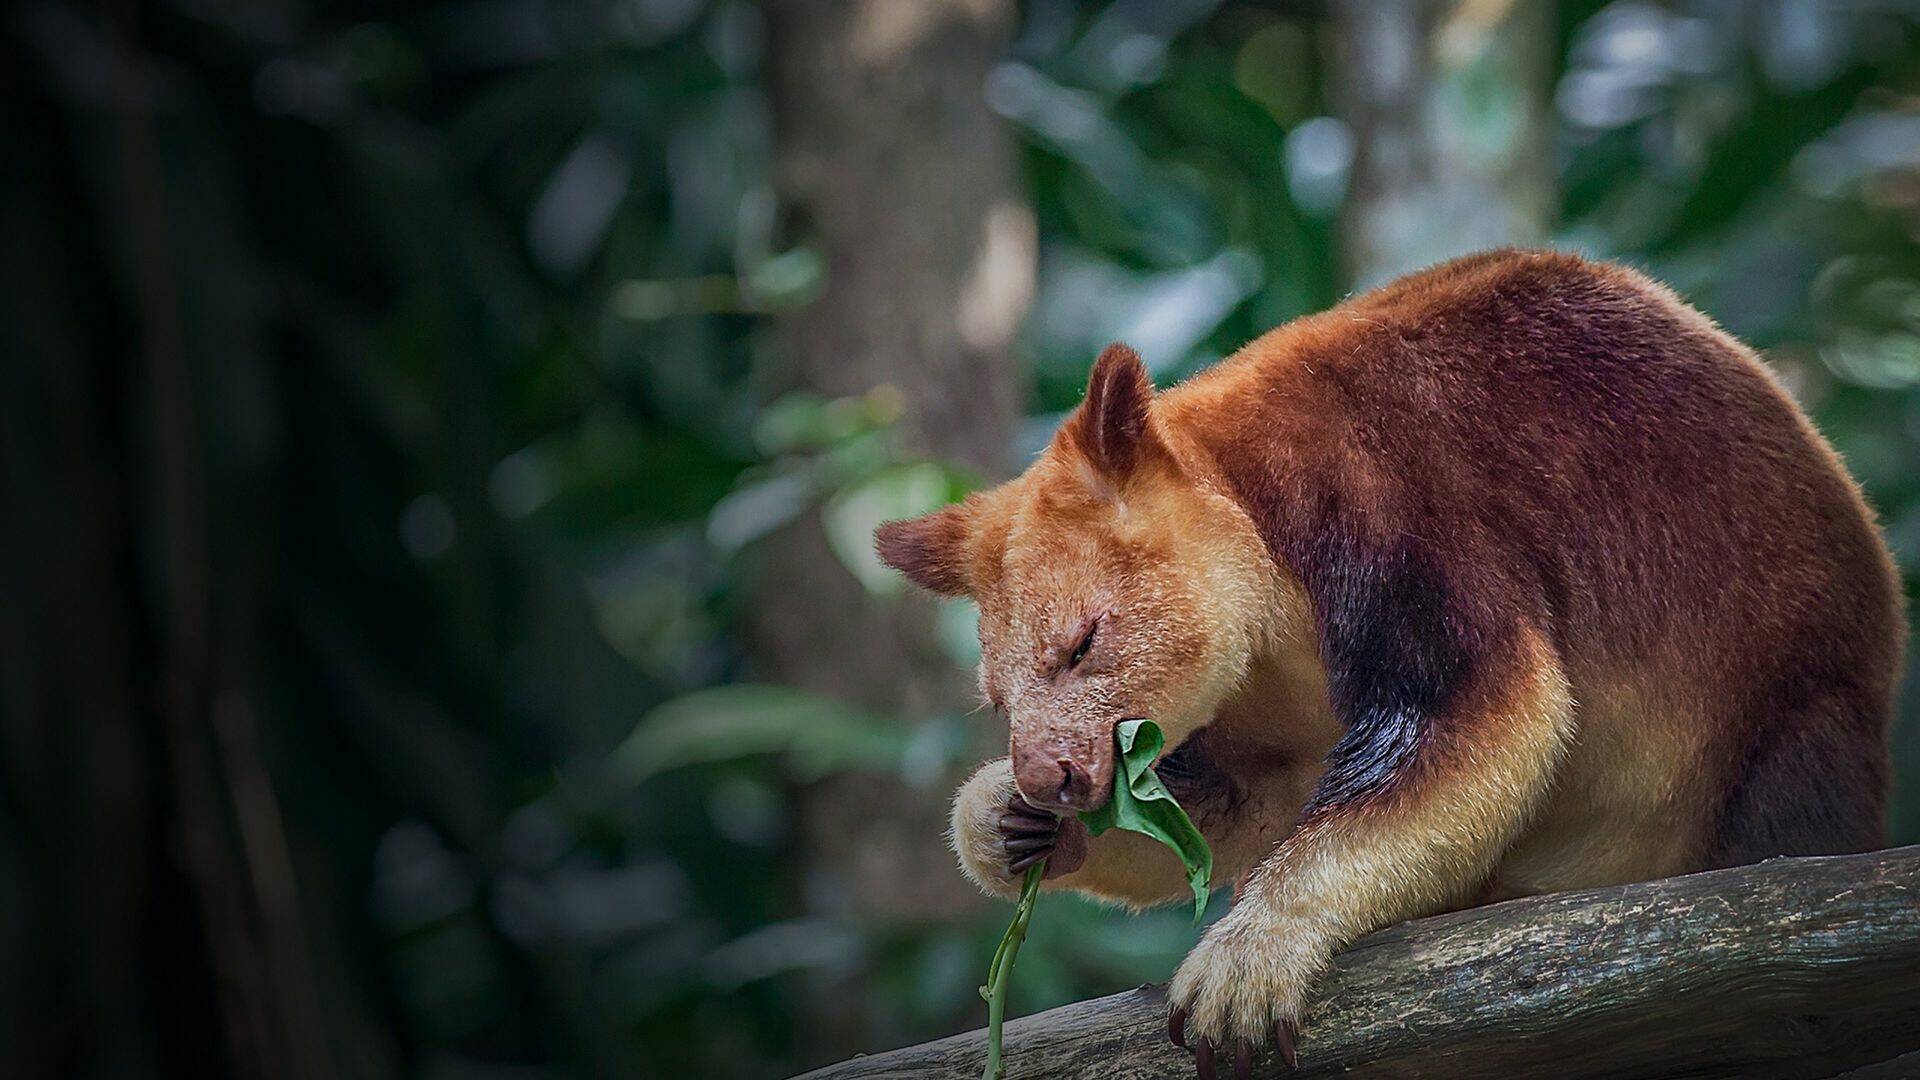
(1241, 988)
(998, 835)
(1029, 834)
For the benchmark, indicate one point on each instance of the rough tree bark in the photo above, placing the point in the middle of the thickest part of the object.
(1792, 968)
(891, 166)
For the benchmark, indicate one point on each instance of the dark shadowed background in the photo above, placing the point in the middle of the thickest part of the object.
(439, 444)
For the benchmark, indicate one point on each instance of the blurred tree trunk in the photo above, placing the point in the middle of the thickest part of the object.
(891, 165)
(147, 917)
(76, 885)
(1448, 103)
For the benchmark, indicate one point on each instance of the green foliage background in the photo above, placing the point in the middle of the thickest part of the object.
(477, 294)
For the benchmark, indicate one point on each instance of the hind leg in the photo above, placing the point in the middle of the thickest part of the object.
(1812, 781)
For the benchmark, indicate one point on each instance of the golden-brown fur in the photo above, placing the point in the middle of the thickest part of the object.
(1514, 575)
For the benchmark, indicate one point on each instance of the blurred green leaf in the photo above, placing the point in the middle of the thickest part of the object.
(816, 735)
(755, 509)
(901, 492)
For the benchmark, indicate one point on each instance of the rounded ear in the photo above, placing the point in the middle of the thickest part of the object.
(930, 550)
(1111, 428)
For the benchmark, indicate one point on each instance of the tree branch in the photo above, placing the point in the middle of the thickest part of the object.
(1791, 968)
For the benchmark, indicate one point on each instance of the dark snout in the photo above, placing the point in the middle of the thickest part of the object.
(1063, 772)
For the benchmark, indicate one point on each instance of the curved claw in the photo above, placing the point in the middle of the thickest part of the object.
(1020, 864)
(1028, 834)
(1283, 1037)
(1203, 1059)
(1018, 804)
(1205, 1052)
(1020, 823)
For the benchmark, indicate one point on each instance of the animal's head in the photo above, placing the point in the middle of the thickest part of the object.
(1113, 580)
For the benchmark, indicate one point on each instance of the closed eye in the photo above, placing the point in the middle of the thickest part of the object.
(1080, 650)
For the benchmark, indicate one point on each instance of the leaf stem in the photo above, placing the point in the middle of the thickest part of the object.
(1001, 970)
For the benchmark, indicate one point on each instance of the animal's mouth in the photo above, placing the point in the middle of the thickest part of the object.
(1189, 771)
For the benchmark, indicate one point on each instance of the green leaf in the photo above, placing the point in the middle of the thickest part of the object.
(816, 734)
(1142, 804)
